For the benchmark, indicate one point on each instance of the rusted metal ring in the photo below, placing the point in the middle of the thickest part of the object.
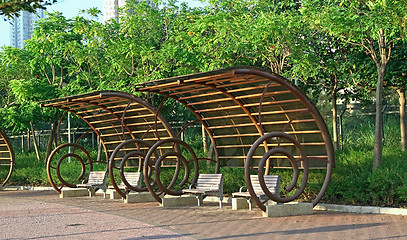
(10, 157)
(293, 183)
(124, 180)
(51, 156)
(157, 172)
(124, 159)
(4, 140)
(262, 163)
(147, 162)
(65, 183)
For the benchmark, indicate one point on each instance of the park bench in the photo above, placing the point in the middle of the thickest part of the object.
(207, 185)
(96, 180)
(133, 178)
(272, 183)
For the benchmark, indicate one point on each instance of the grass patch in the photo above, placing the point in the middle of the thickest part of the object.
(353, 180)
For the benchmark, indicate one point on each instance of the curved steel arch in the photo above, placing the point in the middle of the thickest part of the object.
(105, 112)
(230, 98)
(7, 158)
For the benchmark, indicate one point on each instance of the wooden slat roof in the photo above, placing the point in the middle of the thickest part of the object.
(105, 111)
(7, 159)
(227, 101)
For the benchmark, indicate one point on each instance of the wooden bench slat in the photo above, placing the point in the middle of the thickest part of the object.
(96, 179)
(272, 182)
(208, 184)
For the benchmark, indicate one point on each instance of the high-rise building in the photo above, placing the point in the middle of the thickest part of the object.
(22, 27)
(110, 7)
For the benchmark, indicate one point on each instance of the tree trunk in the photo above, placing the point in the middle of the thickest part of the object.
(210, 154)
(99, 152)
(205, 144)
(28, 141)
(50, 140)
(402, 107)
(378, 136)
(37, 152)
(334, 120)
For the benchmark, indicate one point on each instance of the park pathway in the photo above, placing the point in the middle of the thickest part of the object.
(43, 215)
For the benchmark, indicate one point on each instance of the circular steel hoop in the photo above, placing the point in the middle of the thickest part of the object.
(77, 157)
(10, 157)
(124, 180)
(119, 148)
(262, 163)
(292, 184)
(147, 162)
(50, 159)
(157, 172)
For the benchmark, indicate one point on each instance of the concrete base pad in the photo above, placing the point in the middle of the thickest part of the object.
(113, 194)
(227, 200)
(1, 187)
(74, 192)
(140, 197)
(240, 203)
(288, 209)
(179, 201)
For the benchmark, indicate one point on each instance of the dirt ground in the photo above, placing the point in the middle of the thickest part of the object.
(43, 215)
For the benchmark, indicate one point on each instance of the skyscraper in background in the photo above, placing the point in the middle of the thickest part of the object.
(22, 27)
(110, 7)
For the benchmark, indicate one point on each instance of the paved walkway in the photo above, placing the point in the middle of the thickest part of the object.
(43, 215)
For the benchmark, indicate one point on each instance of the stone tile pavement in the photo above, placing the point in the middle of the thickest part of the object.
(43, 215)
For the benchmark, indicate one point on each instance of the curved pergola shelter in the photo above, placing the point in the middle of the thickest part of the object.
(255, 119)
(7, 159)
(117, 118)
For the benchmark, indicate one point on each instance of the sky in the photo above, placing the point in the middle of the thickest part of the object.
(69, 8)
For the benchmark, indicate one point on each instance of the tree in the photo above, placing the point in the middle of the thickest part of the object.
(88, 69)
(374, 26)
(13, 65)
(321, 63)
(397, 79)
(11, 8)
(132, 45)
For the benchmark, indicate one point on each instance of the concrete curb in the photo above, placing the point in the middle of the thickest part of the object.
(320, 207)
(360, 209)
(27, 188)
(338, 208)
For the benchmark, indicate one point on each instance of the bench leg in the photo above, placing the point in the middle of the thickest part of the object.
(249, 201)
(199, 198)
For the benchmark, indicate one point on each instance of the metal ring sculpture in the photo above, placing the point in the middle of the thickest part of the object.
(138, 153)
(114, 117)
(262, 164)
(7, 158)
(180, 160)
(240, 104)
(55, 166)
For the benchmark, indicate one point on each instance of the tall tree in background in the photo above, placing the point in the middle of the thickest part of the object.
(12, 8)
(132, 45)
(322, 65)
(397, 79)
(21, 111)
(375, 26)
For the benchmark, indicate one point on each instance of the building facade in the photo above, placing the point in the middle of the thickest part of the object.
(22, 27)
(110, 7)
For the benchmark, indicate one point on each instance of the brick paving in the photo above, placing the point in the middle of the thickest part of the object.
(43, 215)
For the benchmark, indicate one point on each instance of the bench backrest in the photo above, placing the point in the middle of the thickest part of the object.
(97, 177)
(133, 178)
(272, 183)
(212, 182)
